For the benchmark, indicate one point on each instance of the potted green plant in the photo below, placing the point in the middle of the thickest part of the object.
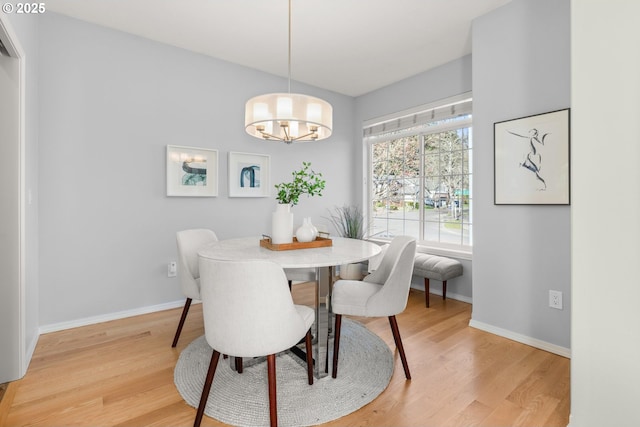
(305, 181)
(349, 222)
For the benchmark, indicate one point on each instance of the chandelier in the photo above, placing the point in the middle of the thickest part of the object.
(288, 117)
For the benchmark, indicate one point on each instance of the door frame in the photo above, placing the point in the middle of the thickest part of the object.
(13, 47)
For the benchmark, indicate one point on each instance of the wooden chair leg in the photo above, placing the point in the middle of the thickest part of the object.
(271, 375)
(207, 387)
(426, 292)
(444, 289)
(239, 366)
(185, 310)
(398, 340)
(309, 349)
(336, 345)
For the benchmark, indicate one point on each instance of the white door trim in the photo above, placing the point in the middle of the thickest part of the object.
(13, 47)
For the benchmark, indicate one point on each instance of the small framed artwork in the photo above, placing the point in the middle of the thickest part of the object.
(249, 175)
(531, 160)
(192, 172)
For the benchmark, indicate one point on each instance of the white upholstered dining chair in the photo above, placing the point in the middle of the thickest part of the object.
(384, 292)
(249, 312)
(189, 243)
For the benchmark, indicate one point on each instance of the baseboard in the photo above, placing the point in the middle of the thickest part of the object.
(533, 342)
(54, 327)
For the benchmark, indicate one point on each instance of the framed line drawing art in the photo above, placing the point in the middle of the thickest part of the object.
(192, 172)
(532, 160)
(249, 175)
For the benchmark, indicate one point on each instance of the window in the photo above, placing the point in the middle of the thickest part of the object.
(420, 175)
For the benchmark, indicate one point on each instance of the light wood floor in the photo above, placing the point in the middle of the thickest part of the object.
(120, 373)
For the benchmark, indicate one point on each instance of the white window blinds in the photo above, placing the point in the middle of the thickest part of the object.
(419, 116)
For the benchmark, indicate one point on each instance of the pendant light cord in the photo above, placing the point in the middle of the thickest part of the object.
(289, 54)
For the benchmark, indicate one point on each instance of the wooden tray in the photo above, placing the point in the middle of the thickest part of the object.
(320, 242)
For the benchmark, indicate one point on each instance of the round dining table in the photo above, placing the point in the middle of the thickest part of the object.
(323, 259)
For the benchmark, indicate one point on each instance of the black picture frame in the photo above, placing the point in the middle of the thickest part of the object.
(532, 159)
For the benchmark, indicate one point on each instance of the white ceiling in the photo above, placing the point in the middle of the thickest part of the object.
(347, 46)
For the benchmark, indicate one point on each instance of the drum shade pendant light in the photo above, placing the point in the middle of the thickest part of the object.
(288, 117)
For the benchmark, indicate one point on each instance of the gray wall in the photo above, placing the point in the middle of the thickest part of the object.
(521, 66)
(605, 346)
(451, 79)
(109, 104)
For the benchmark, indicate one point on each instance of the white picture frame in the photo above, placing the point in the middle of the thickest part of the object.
(249, 175)
(191, 172)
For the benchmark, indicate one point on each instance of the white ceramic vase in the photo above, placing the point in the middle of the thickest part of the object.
(313, 227)
(282, 224)
(306, 232)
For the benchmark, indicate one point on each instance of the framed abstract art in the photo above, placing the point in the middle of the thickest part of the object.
(249, 175)
(192, 172)
(531, 160)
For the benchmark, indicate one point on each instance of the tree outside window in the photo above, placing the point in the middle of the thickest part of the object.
(420, 186)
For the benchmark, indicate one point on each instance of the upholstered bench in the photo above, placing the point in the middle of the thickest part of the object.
(436, 268)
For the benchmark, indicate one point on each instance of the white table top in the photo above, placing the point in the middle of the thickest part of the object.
(343, 251)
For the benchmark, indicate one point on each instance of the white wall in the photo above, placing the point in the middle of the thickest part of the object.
(109, 104)
(521, 67)
(451, 79)
(606, 320)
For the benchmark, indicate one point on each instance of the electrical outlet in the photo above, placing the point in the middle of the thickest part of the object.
(172, 269)
(555, 299)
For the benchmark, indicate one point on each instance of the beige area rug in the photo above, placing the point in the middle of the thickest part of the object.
(366, 366)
